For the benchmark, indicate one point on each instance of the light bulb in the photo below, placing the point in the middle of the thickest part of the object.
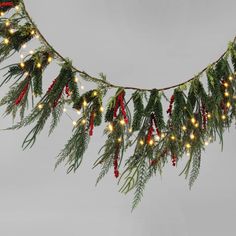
(49, 59)
(193, 120)
(6, 41)
(110, 127)
(40, 106)
(101, 109)
(74, 123)
(141, 142)
(188, 145)
(184, 128)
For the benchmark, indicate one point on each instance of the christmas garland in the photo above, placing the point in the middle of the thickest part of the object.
(197, 113)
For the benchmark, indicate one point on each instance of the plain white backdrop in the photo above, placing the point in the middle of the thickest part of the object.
(150, 43)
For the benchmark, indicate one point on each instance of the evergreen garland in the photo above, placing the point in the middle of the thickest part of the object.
(196, 116)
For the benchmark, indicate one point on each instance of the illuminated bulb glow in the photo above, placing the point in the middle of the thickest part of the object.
(21, 56)
(223, 117)
(85, 104)
(7, 23)
(188, 145)
(130, 130)
(192, 136)
(31, 52)
(76, 79)
(172, 137)
(226, 94)
(83, 121)
(110, 127)
(196, 125)
(95, 93)
(17, 8)
(39, 65)
(49, 59)
(122, 122)
(228, 104)
(6, 41)
(33, 32)
(119, 140)
(193, 120)
(82, 87)
(151, 142)
(141, 142)
(231, 78)
(40, 106)
(206, 143)
(209, 116)
(79, 112)
(74, 123)
(226, 85)
(11, 31)
(2, 13)
(22, 64)
(64, 109)
(184, 128)
(24, 46)
(101, 109)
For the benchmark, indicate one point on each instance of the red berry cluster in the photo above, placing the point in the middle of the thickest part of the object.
(115, 163)
(6, 4)
(174, 159)
(153, 122)
(22, 94)
(120, 104)
(91, 124)
(169, 111)
(204, 117)
(67, 90)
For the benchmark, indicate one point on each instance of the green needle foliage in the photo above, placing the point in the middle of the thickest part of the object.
(198, 114)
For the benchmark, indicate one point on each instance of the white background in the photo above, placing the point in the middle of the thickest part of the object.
(150, 43)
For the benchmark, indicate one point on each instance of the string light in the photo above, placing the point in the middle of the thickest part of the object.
(17, 8)
(40, 106)
(226, 94)
(24, 45)
(119, 140)
(110, 127)
(64, 110)
(85, 104)
(39, 65)
(228, 104)
(2, 13)
(6, 41)
(209, 115)
(173, 138)
(37, 36)
(49, 59)
(33, 32)
(141, 142)
(231, 78)
(95, 93)
(21, 56)
(130, 130)
(122, 122)
(76, 79)
(223, 117)
(82, 87)
(11, 31)
(192, 136)
(7, 23)
(101, 109)
(184, 128)
(193, 120)
(151, 142)
(196, 125)
(206, 143)
(157, 138)
(188, 146)
(163, 135)
(83, 121)
(22, 64)
(26, 73)
(74, 123)
(188, 154)
(226, 84)
(79, 112)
